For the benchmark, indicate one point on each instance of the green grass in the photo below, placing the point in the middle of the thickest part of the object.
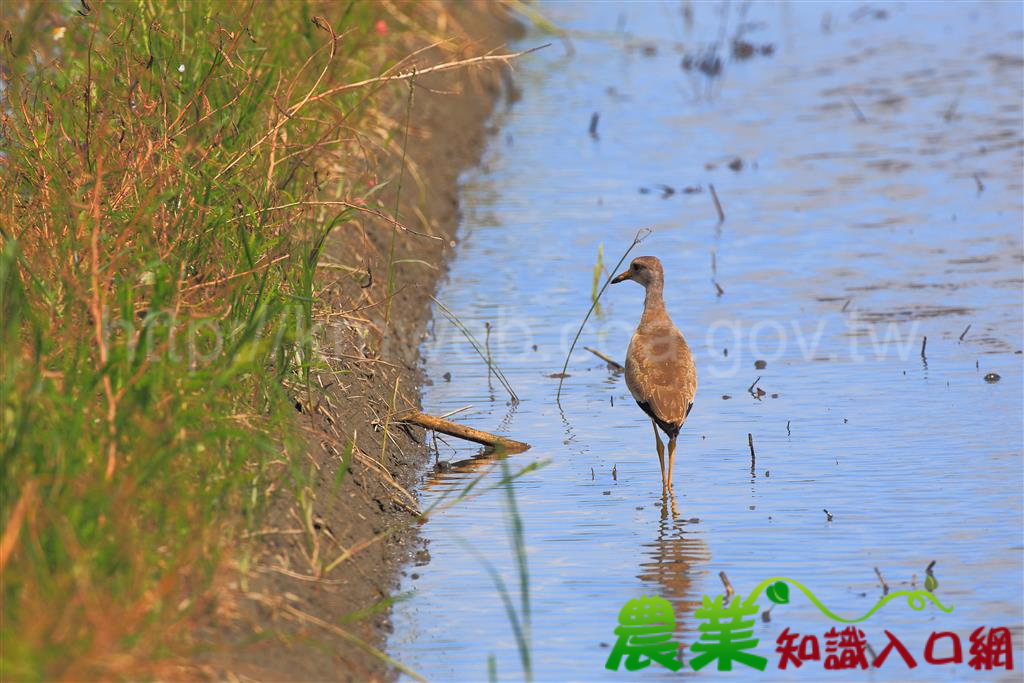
(519, 617)
(156, 315)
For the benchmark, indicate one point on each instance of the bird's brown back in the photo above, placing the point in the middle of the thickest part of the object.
(660, 372)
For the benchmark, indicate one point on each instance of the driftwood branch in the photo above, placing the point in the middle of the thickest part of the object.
(612, 363)
(729, 592)
(718, 204)
(461, 431)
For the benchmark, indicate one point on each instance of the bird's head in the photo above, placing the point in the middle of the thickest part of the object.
(644, 269)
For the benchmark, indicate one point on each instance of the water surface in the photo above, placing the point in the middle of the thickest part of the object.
(877, 201)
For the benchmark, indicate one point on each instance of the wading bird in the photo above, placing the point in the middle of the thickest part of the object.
(660, 371)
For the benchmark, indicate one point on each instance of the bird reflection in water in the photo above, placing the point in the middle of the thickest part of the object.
(674, 563)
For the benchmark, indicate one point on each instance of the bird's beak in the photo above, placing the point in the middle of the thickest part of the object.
(620, 277)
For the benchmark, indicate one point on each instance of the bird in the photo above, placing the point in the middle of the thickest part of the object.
(660, 371)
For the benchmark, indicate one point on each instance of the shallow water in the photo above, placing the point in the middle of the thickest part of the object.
(854, 228)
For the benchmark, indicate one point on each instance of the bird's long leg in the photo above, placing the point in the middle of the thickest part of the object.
(671, 457)
(661, 450)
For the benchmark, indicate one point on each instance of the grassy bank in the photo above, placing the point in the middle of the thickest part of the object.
(170, 172)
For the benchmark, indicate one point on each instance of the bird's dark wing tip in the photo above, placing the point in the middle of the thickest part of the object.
(670, 430)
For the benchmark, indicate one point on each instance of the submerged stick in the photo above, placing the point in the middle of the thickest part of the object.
(491, 366)
(487, 347)
(856, 109)
(885, 586)
(614, 364)
(718, 204)
(641, 234)
(729, 592)
(461, 431)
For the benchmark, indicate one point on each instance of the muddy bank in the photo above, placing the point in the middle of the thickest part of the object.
(284, 619)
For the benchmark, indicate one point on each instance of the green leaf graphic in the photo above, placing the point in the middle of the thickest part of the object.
(930, 583)
(778, 593)
(777, 588)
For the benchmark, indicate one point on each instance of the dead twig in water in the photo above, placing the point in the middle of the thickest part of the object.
(641, 234)
(718, 204)
(461, 431)
(454, 319)
(924, 343)
(487, 347)
(950, 112)
(856, 109)
(753, 458)
(729, 592)
(594, 118)
(885, 586)
(981, 185)
(964, 333)
(750, 389)
(612, 363)
(456, 411)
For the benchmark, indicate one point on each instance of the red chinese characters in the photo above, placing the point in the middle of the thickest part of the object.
(845, 649)
(848, 649)
(991, 652)
(791, 653)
